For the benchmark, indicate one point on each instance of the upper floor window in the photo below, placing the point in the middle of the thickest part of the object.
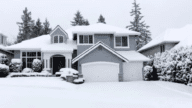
(85, 39)
(58, 39)
(121, 42)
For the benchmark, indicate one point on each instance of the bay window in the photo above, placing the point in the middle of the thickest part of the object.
(28, 57)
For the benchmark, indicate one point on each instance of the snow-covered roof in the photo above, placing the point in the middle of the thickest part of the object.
(84, 53)
(170, 35)
(186, 42)
(103, 28)
(44, 43)
(133, 56)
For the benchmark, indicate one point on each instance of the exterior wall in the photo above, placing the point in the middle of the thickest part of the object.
(108, 39)
(17, 54)
(105, 38)
(157, 49)
(58, 32)
(4, 40)
(101, 54)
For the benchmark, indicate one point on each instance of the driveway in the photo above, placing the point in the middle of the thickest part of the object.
(49, 92)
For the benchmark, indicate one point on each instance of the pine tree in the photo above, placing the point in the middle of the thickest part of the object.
(139, 26)
(78, 19)
(38, 28)
(86, 22)
(25, 27)
(46, 29)
(101, 19)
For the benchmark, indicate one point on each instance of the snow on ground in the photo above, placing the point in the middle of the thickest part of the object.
(52, 92)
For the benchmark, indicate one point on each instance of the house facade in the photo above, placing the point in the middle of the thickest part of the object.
(99, 52)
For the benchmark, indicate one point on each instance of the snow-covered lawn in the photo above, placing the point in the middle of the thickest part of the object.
(50, 92)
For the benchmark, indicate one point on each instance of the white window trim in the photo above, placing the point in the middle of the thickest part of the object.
(84, 43)
(58, 39)
(128, 43)
(21, 56)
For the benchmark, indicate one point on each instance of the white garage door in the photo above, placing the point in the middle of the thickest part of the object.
(133, 71)
(100, 72)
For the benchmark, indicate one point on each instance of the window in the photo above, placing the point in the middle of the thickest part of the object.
(28, 57)
(121, 41)
(85, 39)
(1, 39)
(58, 39)
(162, 48)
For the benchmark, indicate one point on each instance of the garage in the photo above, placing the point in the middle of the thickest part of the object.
(100, 71)
(133, 71)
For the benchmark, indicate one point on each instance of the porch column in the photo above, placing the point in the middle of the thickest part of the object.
(69, 63)
(48, 64)
(66, 62)
(44, 63)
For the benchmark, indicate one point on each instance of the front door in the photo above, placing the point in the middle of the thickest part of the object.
(58, 63)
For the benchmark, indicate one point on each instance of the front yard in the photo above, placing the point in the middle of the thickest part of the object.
(49, 92)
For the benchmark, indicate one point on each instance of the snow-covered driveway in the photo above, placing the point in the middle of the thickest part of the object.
(40, 92)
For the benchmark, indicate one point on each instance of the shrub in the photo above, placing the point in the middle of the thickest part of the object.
(4, 70)
(147, 73)
(37, 65)
(3, 59)
(15, 65)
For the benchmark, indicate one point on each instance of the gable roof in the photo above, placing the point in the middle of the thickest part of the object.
(104, 28)
(169, 36)
(84, 53)
(133, 56)
(59, 27)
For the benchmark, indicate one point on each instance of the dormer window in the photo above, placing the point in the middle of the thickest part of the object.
(121, 42)
(58, 39)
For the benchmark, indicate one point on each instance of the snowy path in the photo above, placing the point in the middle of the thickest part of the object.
(52, 92)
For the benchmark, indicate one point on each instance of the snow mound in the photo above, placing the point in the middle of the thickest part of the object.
(16, 61)
(27, 70)
(3, 66)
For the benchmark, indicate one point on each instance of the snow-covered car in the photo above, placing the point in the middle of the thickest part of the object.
(63, 72)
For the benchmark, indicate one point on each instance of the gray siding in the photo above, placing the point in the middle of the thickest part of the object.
(17, 54)
(58, 32)
(156, 49)
(105, 38)
(108, 39)
(100, 55)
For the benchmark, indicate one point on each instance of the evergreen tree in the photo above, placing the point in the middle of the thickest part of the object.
(101, 19)
(86, 22)
(139, 26)
(78, 19)
(25, 27)
(38, 28)
(46, 29)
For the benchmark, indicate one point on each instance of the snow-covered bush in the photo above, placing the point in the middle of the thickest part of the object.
(15, 65)
(147, 72)
(3, 59)
(37, 65)
(175, 65)
(4, 70)
(27, 70)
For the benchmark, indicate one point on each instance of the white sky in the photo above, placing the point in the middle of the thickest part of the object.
(158, 14)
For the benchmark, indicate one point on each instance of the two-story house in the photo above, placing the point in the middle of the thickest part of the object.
(3, 44)
(99, 52)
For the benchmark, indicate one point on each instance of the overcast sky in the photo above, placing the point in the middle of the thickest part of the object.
(158, 14)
